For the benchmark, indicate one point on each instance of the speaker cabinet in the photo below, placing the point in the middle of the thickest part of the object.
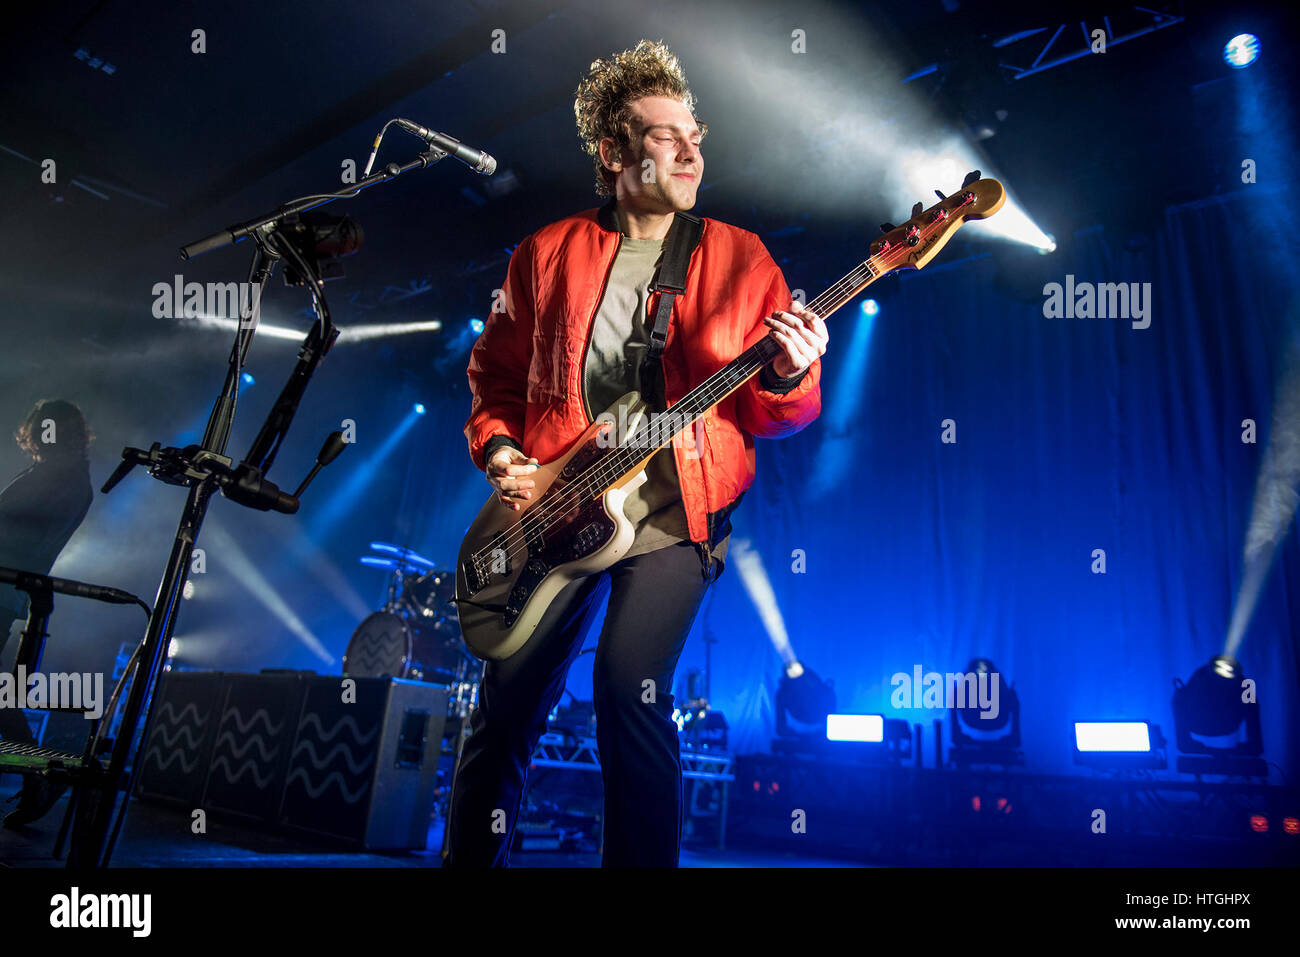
(354, 759)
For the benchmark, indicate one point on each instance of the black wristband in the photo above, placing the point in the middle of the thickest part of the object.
(771, 382)
(495, 443)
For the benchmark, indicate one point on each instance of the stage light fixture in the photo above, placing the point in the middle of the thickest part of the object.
(972, 716)
(803, 696)
(1119, 745)
(1241, 51)
(982, 738)
(419, 408)
(476, 326)
(1217, 722)
(870, 307)
(1112, 736)
(855, 727)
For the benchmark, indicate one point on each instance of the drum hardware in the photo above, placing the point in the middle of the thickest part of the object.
(416, 635)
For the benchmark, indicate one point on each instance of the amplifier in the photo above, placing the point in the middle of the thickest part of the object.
(348, 758)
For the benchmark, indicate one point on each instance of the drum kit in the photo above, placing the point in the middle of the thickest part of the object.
(416, 635)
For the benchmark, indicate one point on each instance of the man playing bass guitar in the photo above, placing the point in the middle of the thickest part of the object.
(572, 338)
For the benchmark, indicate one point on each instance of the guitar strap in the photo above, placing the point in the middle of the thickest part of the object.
(669, 281)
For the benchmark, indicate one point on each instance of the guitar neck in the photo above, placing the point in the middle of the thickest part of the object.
(909, 246)
(737, 372)
(649, 438)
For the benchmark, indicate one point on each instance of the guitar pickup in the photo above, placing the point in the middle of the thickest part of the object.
(493, 560)
(532, 537)
(587, 539)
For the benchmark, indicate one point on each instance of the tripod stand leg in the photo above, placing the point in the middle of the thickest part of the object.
(91, 845)
(67, 820)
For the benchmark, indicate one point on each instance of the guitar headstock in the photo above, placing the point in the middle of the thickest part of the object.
(917, 241)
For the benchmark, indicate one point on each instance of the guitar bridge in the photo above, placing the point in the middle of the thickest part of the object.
(529, 578)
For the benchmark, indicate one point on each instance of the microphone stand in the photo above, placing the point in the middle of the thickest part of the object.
(205, 468)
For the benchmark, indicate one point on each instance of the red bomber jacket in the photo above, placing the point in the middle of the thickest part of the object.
(525, 370)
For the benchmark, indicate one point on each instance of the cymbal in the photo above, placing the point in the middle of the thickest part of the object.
(401, 551)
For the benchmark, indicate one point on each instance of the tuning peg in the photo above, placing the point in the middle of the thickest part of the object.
(887, 227)
(971, 177)
(916, 210)
(940, 195)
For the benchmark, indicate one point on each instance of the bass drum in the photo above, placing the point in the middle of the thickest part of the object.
(386, 645)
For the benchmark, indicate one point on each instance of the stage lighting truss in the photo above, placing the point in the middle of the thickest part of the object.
(1066, 45)
(580, 754)
(370, 299)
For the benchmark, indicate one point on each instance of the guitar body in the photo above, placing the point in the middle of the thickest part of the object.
(507, 572)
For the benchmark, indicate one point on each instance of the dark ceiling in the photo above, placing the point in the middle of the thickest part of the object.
(175, 144)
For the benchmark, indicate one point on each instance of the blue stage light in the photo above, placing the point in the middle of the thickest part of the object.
(870, 307)
(419, 408)
(248, 378)
(1241, 51)
(1112, 736)
(476, 326)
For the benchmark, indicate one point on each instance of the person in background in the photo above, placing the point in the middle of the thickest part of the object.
(43, 505)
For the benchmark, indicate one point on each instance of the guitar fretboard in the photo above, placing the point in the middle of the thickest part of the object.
(650, 436)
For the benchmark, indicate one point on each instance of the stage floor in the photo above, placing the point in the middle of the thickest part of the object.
(159, 836)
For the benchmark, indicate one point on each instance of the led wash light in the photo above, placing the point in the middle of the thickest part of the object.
(1112, 736)
(855, 727)
(1113, 745)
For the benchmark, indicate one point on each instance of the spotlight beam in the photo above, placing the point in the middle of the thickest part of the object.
(749, 565)
(1277, 493)
(250, 576)
(378, 330)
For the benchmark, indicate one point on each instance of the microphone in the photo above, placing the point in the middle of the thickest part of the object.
(66, 586)
(477, 160)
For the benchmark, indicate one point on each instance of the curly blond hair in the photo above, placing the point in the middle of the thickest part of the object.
(602, 104)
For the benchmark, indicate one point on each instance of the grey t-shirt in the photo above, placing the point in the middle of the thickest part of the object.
(620, 335)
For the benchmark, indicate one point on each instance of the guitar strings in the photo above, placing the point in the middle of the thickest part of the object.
(603, 471)
(709, 393)
(612, 466)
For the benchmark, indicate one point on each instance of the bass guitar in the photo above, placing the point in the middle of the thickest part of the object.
(513, 563)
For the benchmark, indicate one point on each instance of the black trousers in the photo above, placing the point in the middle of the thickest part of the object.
(653, 600)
